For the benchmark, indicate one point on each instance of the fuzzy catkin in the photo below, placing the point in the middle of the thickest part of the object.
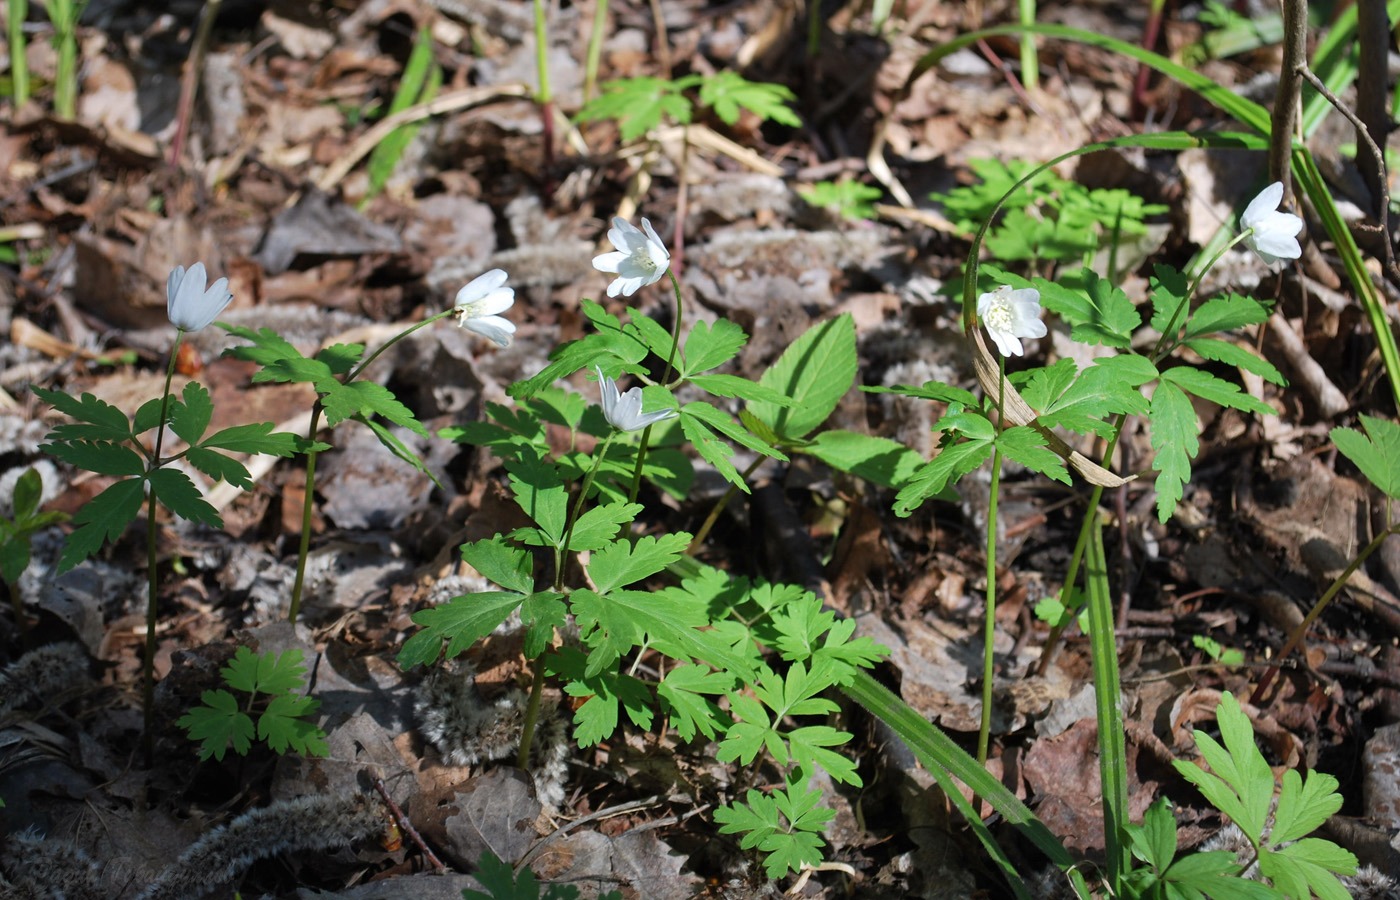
(41, 674)
(467, 731)
(305, 823)
(50, 869)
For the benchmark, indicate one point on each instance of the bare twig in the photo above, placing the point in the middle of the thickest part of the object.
(406, 826)
(1290, 87)
(189, 82)
(1376, 173)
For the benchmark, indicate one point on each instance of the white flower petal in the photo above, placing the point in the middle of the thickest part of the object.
(1009, 316)
(494, 328)
(189, 305)
(640, 257)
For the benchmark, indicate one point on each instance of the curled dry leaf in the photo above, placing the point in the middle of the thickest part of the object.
(1019, 412)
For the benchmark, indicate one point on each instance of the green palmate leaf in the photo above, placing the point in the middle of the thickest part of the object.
(952, 462)
(734, 386)
(1170, 289)
(1304, 805)
(621, 563)
(614, 624)
(1217, 390)
(810, 746)
(1102, 314)
(713, 450)
(815, 371)
(103, 421)
(1090, 400)
(1309, 867)
(784, 826)
(99, 456)
(1242, 785)
(283, 727)
(848, 198)
(510, 567)
(1225, 314)
(341, 358)
(1174, 438)
(597, 719)
(1234, 355)
(806, 631)
(14, 554)
(102, 519)
(298, 369)
(218, 723)
(709, 346)
(461, 622)
(260, 438)
(1376, 453)
(651, 334)
(605, 348)
(190, 419)
(265, 673)
(501, 883)
(28, 491)
(724, 423)
(1027, 446)
(686, 689)
(365, 398)
(638, 104)
(541, 614)
(220, 467)
(932, 390)
(174, 488)
(147, 416)
(398, 447)
(540, 492)
(726, 92)
(879, 460)
(267, 348)
(599, 526)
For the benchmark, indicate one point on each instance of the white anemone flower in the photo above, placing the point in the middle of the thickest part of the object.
(1268, 232)
(480, 303)
(639, 260)
(1011, 315)
(188, 304)
(624, 410)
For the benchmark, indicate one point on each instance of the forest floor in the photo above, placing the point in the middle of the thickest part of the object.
(269, 189)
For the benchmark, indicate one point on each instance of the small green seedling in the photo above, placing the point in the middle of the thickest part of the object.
(638, 104)
(270, 683)
(1212, 648)
(501, 883)
(15, 533)
(848, 198)
(1274, 818)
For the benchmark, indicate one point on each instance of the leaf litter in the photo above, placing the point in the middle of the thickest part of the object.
(1262, 528)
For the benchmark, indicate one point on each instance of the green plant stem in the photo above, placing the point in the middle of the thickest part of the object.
(1296, 638)
(307, 506)
(561, 553)
(544, 97)
(1113, 759)
(1030, 62)
(595, 49)
(309, 501)
(665, 382)
(713, 517)
(532, 716)
(1166, 341)
(984, 728)
(19, 66)
(17, 602)
(148, 666)
(63, 14)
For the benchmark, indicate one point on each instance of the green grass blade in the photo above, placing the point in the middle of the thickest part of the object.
(979, 828)
(934, 748)
(1246, 111)
(1334, 63)
(1113, 757)
(1310, 180)
(19, 67)
(420, 81)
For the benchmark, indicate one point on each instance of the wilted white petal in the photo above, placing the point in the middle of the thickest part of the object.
(187, 303)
